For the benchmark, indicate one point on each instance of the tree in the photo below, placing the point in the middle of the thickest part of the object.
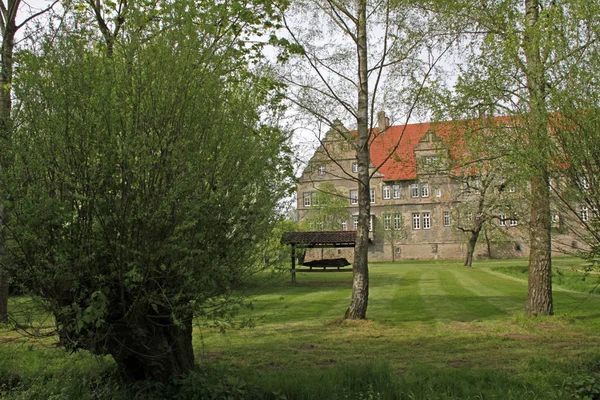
(328, 210)
(340, 65)
(135, 206)
(519, 52)
(9, 11)
(394, 229)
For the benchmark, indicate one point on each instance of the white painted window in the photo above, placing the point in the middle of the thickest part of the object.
(396, 191)
(372, 195)
(371, 224)
(354, 167)
(414, 190)
(426, 220)
(355, 223)
(555, 218)
(584, 183)
(511, 189)
(387, 192)
(387, 222)
(438, 192)
(416, 221)
(424, 190)
(469, 216)
(585, 215)
(501, 220)
(513, 222)
(447, 220)
(354, 197)
(344, 226)
(321, 170)
(397, 221)
(306, 199)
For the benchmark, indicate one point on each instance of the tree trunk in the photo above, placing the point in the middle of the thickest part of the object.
(539, 293)
(360, 284)
(471, 247)
(155, 352)
(6, 73)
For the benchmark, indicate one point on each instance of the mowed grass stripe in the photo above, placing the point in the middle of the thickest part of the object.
(484, 287)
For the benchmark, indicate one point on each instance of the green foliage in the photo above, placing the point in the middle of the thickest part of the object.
(143, 182)
(328, 211)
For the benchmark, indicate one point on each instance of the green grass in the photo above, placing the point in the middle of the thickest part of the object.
(436, 330)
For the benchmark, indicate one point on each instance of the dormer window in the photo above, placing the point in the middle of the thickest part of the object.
(321, 170)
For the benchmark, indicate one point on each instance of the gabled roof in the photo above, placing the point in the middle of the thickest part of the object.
(320, 238)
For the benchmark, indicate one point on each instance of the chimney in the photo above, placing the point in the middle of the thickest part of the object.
(383, 122)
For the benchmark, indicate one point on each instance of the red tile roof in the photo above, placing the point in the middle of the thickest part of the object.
(402, 165)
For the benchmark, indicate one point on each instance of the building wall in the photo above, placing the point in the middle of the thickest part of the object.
(438, 241)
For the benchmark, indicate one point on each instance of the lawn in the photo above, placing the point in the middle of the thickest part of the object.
(436, 330)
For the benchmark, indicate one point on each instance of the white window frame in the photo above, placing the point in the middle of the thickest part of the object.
(371, 223)
(387, 222)
(344, 226)
(424, 189)
(447, 219)
(511, 189)
(397, 221)
(355, 223)
(386, 192)
(426, 220)
(321, 170)
(306, 197)
(354, 167)
(469, 216)
(513, 222)
(416, 221)
(396, 191)
(501, 220)
(585, 214)
(372, 195)
(438, 192)
(354, 197)
(414, 190)
(555, 218)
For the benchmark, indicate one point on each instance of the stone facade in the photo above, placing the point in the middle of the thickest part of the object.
(407, 193)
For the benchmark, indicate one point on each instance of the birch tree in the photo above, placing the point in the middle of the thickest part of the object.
(351, 59)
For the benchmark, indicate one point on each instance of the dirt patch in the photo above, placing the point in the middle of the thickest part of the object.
(458, 364)
(306, 347)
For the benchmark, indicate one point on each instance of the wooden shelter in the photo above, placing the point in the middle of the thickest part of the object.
(319, 239)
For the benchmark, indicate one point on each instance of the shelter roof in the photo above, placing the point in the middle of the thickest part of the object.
(320, 238)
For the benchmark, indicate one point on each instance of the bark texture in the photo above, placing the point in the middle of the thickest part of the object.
(360, 284)
(539, 293)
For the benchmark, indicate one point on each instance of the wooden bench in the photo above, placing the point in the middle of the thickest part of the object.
(335, 263)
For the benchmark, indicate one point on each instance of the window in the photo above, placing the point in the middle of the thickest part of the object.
(344, 226)
(501, 220)
(585, 215)
(397, 221)
(555, 218)
(469, 216)
(321, 170)
(354, 197)
(387, 222)
(372, 195)
(396, 191)
(414, 190)
(371, 224)
(355, 223)
(438, 192)
(306, 199)
(426, 220)
(511, 189)
(585, 184)
(416, 221)
(513, 222)
(354, 167)
(447, 218)
(424, 190)
(387, 193)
